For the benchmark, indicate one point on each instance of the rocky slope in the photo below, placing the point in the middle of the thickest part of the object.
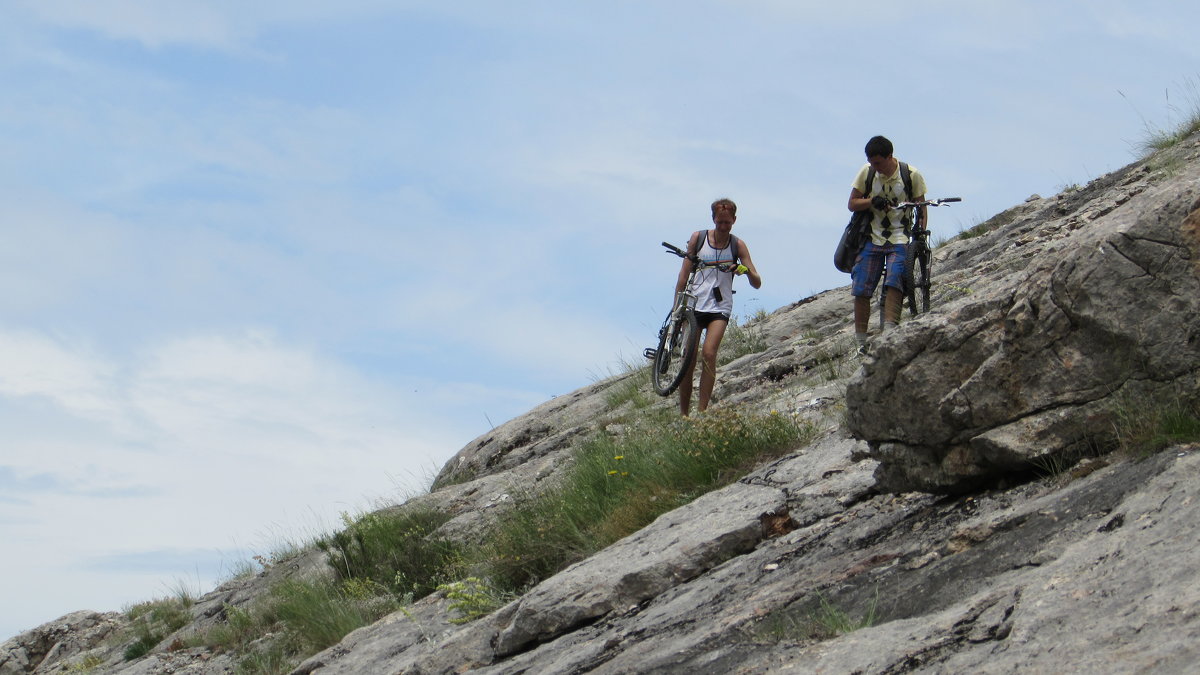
(962, 489)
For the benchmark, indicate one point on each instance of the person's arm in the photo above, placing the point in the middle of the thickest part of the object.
(922, 213)
(751, 270)
(857, 201)
(684, 270)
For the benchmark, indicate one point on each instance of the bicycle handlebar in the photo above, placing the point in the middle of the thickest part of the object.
(700, 264)
(936, 202)
(674, 249)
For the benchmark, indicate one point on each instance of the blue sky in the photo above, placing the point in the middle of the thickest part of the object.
(263, 263)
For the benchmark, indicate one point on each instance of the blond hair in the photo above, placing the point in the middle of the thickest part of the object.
(724, 204)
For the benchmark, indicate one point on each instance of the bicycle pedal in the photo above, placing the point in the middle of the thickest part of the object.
(650, 353)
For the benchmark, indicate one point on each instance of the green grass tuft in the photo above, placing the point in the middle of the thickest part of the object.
(823, 622)
(317, 615)
(632, 388)
(1182, 122)
(393, 550)
(741, 338)
(153, 621)
(616, 485)
(620, 484)
(473, 598)
(1143, 427)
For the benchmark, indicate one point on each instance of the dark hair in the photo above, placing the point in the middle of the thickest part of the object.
(726, 205)
(879, 146)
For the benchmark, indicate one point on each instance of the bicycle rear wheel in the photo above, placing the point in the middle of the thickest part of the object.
(676, 349)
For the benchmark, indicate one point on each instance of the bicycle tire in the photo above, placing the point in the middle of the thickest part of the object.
(922, 279)
(676, 349)
(910, 287)
(882, 301)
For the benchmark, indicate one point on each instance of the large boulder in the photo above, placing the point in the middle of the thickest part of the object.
(1096, 319)
(57, 642)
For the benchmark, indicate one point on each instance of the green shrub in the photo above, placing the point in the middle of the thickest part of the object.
(619, 485)
(298, 618)
(153, 621)
(241, 627)
(472, 598)
(268, 659)
(394, 550)
(316, 615)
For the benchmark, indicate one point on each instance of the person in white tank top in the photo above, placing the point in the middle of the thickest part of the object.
(714, 295)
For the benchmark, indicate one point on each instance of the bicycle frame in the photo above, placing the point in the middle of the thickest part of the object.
(685, 300)
(680, 331)
(917, 272)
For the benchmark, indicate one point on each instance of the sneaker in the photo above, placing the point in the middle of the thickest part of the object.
(860, 348)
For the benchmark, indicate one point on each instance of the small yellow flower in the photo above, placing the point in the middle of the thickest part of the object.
(619, 457)
(613, 472)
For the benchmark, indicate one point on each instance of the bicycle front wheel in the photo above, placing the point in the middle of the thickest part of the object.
(910, 295)
(676, 349)
(920, 280)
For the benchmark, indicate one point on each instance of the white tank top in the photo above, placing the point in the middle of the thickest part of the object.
(712, 283)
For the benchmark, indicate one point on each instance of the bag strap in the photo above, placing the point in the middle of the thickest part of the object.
(905, 175)
(697, 239)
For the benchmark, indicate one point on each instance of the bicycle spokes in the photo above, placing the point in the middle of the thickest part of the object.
(676, 346)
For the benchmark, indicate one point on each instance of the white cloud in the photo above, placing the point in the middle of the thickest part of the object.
(69, 375)
(224, 25)
(150, 23)
(227, 443)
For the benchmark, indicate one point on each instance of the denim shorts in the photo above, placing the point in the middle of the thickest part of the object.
(869, 265)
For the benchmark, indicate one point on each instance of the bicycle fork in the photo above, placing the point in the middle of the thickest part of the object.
(684, 302)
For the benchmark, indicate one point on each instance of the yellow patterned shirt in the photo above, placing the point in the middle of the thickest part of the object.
(886, 227)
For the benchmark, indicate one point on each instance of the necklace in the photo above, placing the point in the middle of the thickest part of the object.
(713, 245)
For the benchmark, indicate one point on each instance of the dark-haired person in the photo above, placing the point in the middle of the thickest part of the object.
(881, 183)
(714, 294)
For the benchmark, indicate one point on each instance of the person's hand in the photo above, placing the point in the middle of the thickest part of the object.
(879, 202)
(741, 269)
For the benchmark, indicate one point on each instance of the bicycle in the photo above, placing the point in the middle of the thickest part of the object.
(679, 336)
(917, 273)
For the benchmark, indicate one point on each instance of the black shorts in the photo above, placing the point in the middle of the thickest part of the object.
(705, 318)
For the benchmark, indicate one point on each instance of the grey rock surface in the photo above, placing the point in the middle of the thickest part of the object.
(62, 641)
(959, 491)
(1035, 364)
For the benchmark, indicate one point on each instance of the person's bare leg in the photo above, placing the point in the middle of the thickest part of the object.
(862, 314)
(708, 355)
(893, 301)
(685, 386)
